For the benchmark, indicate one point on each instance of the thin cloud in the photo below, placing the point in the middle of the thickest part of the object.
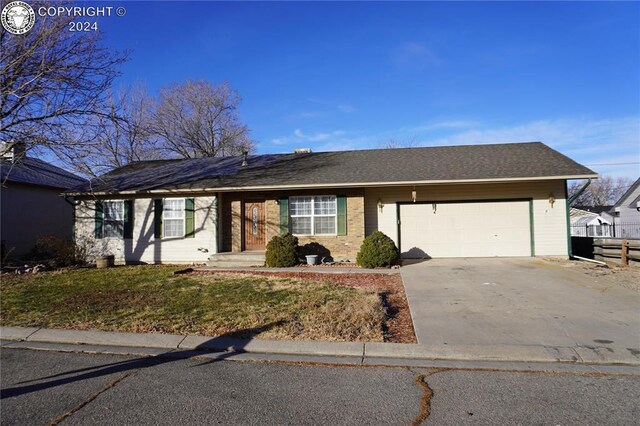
(300, 136)
(439, 125)
(415, 54)
(600, 142)
(310, 114)
(279, 141)
(346, 108)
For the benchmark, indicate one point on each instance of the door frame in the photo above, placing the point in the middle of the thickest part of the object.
(243, 222)
(495, 200)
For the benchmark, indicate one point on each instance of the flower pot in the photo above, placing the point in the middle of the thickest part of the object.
(105, 261)
(312, 259)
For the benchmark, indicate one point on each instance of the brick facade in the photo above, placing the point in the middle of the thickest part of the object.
(339, 246)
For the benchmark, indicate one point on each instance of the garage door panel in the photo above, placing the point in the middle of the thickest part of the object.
(475, 229)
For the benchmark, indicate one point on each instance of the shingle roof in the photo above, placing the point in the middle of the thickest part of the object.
(595, 209)
(342, 168)
(37, 172)
(628, 192)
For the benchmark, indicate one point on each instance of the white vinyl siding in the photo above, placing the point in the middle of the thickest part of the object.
(173, 217)
(549, 221)
(144, 247)
(113, 219)
(315, 215)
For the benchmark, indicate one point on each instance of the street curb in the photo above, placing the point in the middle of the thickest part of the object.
(273, 346)
(106, 338)
(365, 353)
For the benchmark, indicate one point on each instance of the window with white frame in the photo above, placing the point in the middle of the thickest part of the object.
(113, 219)
(173, 217)
(315, 215)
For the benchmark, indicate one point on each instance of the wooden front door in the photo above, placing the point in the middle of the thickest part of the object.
(254, 225)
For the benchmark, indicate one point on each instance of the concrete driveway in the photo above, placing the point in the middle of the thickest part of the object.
(501, 304)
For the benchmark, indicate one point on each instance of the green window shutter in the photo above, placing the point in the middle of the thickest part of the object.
(157, 218)
(99, 220)
(341, 201)
(189, 218)
(128, 219)
(284, 215)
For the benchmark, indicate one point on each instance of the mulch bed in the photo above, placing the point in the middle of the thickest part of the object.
(399, 324)
(329, 265)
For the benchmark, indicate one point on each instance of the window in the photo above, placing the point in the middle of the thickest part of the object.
(313, 215)
(113, 219)
(173, 217)
(601, 230)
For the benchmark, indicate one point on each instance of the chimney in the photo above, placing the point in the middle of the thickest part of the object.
(12, 151)
(302, 151)
(244, 158)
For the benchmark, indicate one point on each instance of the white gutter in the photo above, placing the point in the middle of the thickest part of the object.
(339, 185)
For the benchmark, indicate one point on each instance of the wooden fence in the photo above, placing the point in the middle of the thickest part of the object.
(624, 252)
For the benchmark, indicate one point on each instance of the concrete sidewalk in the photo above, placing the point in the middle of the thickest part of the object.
(314, 351)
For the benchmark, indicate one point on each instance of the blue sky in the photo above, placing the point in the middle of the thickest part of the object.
(338, 75)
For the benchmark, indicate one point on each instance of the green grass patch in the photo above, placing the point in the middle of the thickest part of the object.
(152, 299)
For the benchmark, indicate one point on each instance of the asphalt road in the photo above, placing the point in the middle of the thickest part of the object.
(41, 387)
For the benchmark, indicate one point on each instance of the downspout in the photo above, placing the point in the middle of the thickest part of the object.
(218, 209)
(569, 201)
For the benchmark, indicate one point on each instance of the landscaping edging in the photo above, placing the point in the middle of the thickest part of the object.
(304, 269)
(361, 353)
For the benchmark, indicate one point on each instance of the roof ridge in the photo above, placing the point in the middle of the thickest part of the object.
(46, 165)
(628, 192)
(429, 147)
(460, 163)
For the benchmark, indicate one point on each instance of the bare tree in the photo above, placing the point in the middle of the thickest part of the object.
(393, 143)
(199, 119)
(604, 191)
(52, 83)
(123, 134)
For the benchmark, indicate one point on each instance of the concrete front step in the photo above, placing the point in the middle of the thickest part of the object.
(246, 258)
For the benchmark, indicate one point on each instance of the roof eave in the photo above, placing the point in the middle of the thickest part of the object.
(337, 185)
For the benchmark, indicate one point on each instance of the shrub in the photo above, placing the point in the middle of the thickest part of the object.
(377, 250)
(282, 251)
(54, 251)
(88, 249)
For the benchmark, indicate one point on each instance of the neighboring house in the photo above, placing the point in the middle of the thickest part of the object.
(626, 213)
(589, 224)
(602, 211)
(455, 201)
(30, 202)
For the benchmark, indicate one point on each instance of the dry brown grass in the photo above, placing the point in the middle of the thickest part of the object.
(152, 299)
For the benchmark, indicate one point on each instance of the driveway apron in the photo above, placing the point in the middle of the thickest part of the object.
(521, 301)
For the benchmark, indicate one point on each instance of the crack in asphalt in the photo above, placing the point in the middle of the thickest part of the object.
(425, 401)
(84, 403)
(427, 394)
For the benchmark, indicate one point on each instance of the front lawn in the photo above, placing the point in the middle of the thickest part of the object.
(153, 299)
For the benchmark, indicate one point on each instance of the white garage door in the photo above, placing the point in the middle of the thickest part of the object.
(472, 229)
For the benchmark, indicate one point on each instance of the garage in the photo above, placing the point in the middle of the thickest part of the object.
(465, 229)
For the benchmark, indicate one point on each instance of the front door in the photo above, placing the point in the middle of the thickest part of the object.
(254, 232)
